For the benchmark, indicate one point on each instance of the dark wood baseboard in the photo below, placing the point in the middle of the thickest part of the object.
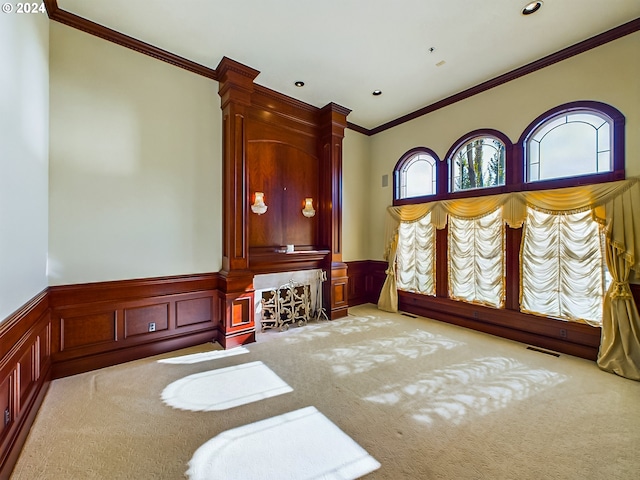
(564, 337)
(367, 277)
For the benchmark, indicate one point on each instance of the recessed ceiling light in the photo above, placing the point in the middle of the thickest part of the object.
(376, 92)
(532, 7)
(299, 84)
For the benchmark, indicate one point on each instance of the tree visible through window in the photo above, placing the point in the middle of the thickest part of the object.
(479, 163)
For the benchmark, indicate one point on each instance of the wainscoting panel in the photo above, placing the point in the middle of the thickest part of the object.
(147, 319)
(80, 330)
(193, 311)
(102, 324)
(25, 371)
(366, 278)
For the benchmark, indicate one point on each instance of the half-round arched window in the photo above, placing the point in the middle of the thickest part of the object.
(415, 174)
(477, 161)
(574, 140)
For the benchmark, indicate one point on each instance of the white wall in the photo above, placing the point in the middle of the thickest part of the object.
(24, 153)
(355, 197)
(136, 164)
(609, 74)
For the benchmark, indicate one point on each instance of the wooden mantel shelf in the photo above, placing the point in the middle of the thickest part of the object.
(273, 261)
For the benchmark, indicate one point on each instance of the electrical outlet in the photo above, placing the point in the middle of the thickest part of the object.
(152, 327)
(563, 333)
(475, 314)
(7, 417)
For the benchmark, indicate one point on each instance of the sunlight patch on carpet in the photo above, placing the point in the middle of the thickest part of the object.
(204, 356)
(345, 326)
(303, 444)
(461, 391)
(364, 356)
(224, 388)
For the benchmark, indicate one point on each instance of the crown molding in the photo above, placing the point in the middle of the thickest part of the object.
(580, 47)
(92, 28)
(67, 18)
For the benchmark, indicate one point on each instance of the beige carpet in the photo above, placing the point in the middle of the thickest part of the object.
(424, 399)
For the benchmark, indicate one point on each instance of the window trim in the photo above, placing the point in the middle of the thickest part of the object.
(617, 121)
(397, 175)
(476, 192)
(515, 158)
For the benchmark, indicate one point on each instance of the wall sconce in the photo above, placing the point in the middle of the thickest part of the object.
(308, 210)
(258, 205)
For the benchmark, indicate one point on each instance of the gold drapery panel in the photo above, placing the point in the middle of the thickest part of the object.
(616, 205)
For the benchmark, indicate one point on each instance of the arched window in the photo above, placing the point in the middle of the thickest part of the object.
(415, 174)
(574, 140)
(478, 160)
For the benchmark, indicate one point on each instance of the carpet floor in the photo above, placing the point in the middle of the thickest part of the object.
(373, 395)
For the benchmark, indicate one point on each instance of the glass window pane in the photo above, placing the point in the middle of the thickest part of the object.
(604, 138)
(548, 126)
(569, 146)
(418, 176)
(604, 162)
(584, 117)
(479, 163)
(568, 151)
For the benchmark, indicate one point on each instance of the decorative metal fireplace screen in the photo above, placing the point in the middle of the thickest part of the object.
(289, 303)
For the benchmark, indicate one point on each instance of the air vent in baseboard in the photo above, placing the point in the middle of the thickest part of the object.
(540, 350)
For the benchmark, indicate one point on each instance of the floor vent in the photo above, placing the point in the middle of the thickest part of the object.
(539, 350)
(409, 315)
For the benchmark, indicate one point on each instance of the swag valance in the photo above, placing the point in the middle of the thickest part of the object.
(614, 205)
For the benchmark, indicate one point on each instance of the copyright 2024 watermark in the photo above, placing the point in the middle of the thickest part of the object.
(20, 7)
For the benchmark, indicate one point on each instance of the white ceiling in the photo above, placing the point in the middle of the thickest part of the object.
(345, 49)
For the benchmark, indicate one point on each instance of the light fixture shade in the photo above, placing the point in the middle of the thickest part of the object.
(308, 210)
(259, 206)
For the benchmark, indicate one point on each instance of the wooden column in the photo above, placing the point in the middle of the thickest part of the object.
(237, 324)
(332, 120)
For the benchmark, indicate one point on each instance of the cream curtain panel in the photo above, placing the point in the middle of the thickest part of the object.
(476, 259)
(415, 257)
(615, 205)
(561, 267)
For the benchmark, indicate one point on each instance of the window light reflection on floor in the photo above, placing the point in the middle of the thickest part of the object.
(345, 326)
(224, 388)
(364, 356)
(460, 392)
(299, 444)
(204, 356)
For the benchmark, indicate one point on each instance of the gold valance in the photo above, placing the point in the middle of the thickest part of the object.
(613, 205)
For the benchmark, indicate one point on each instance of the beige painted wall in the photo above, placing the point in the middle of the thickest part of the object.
(135, 164)
(355, 212)
(24, 158)
(609, 74)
